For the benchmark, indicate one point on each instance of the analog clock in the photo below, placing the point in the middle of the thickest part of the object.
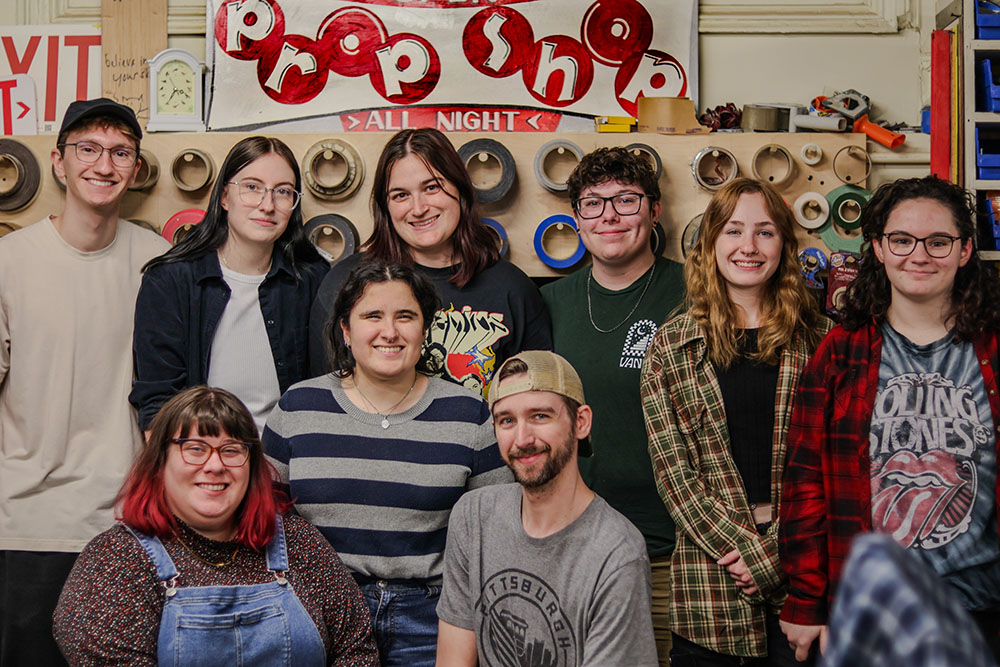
(176, 90)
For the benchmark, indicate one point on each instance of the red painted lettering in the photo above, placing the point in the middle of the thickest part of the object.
(83, 44)
(20, 65)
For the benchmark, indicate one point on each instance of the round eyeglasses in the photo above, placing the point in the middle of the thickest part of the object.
(90, 152)
(252, 194)
(626, 203)
(196, 452)
(938, 246)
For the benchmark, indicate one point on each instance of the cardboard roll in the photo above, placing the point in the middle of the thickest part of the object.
(503, 243)
(772, 163)
(20, 175)
(333, 169)
(149, 171)
(554, 162)
(713, 167)
(852, 164)
(811, 210)
(649, 153)
(491, 168)
(8, 227)
(145, 224)
(554, 242)
(690, 236)
(658, 239)
(333, 236)
(180, 223)
(192, 169)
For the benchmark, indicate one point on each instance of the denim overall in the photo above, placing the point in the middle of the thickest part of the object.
(260, 624)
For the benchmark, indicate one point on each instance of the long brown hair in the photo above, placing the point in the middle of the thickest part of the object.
(787, 309)
(473, 244)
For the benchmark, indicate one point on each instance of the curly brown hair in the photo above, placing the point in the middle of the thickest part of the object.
(975, 300)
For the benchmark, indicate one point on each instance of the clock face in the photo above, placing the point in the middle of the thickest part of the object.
(175, 84)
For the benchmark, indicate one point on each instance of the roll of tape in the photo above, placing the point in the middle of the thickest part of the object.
(658, 239)
(557, 221)
(477, 155)
(180, 223)
(811, 154)
(713, 167)
(149, 171)
(763, 171)
(503, 240)
(192, 169)
(557, 148)
(811, 261)
(840, 164)
(334, 236)
(846, 203)
(757, 118)
(7, 227)
(828, 233)
(648, 152)
(323, 175)
(811, 210)
(145, 224)
(20, 175)
(690, 236)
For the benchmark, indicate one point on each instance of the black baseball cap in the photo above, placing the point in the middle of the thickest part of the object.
(102, 106)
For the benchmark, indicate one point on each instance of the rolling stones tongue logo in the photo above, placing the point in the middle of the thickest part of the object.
(924, 501)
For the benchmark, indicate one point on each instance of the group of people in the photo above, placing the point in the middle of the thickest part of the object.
(385, 462)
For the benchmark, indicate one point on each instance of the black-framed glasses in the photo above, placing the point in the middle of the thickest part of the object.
(938, 246)
(196, 452)
(252, 193)
(90, 152)
(626, 203)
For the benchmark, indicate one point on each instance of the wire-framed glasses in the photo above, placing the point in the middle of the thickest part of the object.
(196, 452)
(252, 194)
(938, 246)
(626, 203)
(90, 152)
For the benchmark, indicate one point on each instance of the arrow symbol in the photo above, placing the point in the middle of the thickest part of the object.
(352, 122)
(26, 110)
(533, 121)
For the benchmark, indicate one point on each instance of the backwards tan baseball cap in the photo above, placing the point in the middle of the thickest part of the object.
(547, 371)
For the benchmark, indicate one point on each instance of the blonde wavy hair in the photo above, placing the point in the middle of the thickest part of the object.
(787, 309)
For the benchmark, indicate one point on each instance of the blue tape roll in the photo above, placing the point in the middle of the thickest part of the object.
(548, 260)
(502, 233)
(811, 261)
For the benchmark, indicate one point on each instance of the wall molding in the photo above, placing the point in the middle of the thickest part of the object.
(184, 17)
(801, 16)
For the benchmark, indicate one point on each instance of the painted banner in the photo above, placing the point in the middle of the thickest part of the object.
(281, 60)
(64, 61)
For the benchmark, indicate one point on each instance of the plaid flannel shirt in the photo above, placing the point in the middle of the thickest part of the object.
(701, 486)
(827, 488)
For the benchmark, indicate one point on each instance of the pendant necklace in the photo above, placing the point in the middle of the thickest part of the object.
(590, 311)
(385, 415)
(206, 562)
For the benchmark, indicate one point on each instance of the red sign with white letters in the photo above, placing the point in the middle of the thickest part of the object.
(514, 65)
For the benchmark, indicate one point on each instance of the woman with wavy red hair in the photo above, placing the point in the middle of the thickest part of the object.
(206, 567)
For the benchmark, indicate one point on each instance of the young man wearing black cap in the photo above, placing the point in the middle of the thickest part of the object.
(543, 572)
(604, 317)
(67, 433)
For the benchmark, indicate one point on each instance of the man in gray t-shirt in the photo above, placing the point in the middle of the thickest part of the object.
(544, 572)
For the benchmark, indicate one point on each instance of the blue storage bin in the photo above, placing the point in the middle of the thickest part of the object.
(988, 156)
(987, 21)
(987, 91)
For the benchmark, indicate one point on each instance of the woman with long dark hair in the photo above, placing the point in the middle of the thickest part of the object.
(425, 215)
(229, 304)
(717, 388)
(894, 428)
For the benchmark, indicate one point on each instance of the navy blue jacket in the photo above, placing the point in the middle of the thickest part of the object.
(176, 313)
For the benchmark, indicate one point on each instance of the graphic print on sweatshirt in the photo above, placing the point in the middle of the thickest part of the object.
(462, 344)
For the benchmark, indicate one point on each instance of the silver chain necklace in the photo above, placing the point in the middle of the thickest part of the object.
(590, 309)
(385, 415)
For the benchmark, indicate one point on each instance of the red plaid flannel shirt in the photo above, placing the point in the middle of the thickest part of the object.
(826, 498)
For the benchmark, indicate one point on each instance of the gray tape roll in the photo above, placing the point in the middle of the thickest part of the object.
(713, 167)
(767, 151)
(331, 151)
(811, 201)
(648, 152)
(192, 169)
(758, 118)
(149, 171)
(558, 147)
(482, 150)
(330, 229)
(20, 175)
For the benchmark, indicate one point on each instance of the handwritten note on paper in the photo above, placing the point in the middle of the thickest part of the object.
(132, 33)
